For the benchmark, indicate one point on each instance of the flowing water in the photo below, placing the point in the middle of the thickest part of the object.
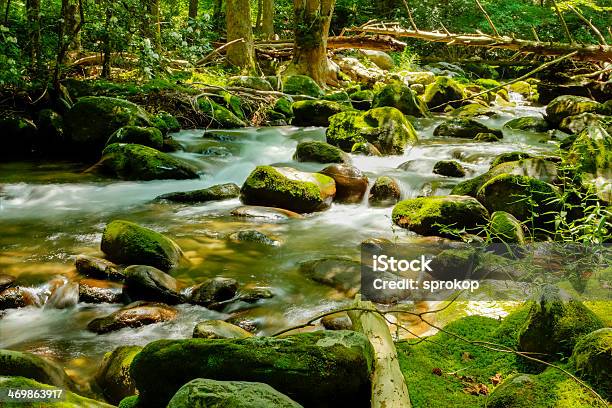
(50, 212)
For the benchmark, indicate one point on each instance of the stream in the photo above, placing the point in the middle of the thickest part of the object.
(52, 211)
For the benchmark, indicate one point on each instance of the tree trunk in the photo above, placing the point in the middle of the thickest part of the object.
(73, 20)
(193, 9)
(238, 19)
(312, 20)
(33, 14)
(259, 13)
(217, 16)
(267, 26)
(3, 4)
(107, 46)
(155, 20)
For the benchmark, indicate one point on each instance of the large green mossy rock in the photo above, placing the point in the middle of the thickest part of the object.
(113, 375)
(528, 123)
(165, 122)
(315, 113)
(509, 157)
(526, 198)
(570, 105)
(592, 150)
(433, 215)
(69, 399)
(322, 369)
(138, 162)
(208, 393)
(93, 119)
(504, 227)
(219, 115)
(217, 192)
(577, 123)
(287, 188)
(555, 325)
(124, 242)
(593, 359)
(441, 91)
(385, 128)
(18, 364)
(398, 95)
(463, 128)
(146, 136)
(320, 152)
(302, 85)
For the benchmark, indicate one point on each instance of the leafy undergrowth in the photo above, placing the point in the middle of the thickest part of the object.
(448, 372)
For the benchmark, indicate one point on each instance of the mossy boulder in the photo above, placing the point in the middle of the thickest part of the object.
(441, 91)
(340, 273)
(18, 137)
(577, 123)
(541, 168)
(509, 157)
(219, 115)
(93, 119)
(386, 128)
(592, 151)
(487, 83)
(504, 227)
(433, 215)
(146, 136)
(315, 113)
(165, 122)
(526, 198)
(528, 123)
(130, 402)
(351, 183)
(323, 369)
(449, 168)
(288, 188)
(218, 329)
(217, 192)
(592, 357)
(208, 393)
(385, 192)
(302, 85)
(69, 399)
(471, 110)
(555, 325)
(113, 374)
(284, 106)
(18, 364)
(138, 162)
(320, 152)
(260, 84)
(470, 187)
(143, 282)
(125, 242)
(520, 391)
(134, 315)
(570, 105)
(362, 100)
(464, 128)
(401, 97)
(486, 137)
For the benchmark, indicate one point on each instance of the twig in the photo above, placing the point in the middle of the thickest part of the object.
(217, 51)
(567, 31)
(412, 23)
(593, 74)
(600, 37)
(488, 18)
(535, 34)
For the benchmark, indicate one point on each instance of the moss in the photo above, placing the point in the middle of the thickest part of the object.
(138, 162)
(528, 123)
(464, 128)
(130, 402)
(214, 193)
(486, 137)
(509, 157)
(521, 87)
(252, 82)
(449, 168)
(385, 191)
(165, 122)
(302, 85)
(319, 152)
(284, 106)
(339, 96)
(505, 228)
(69, 399)
(315, 113)
(320, 368)
(401, 97)
(487, 83)
(570, 105)
(267, 186)
(470, 187)
(113, 375)
(128, 243)
(471, 110)
(15, 363)
(443, 90)
(592, 358)
(220, 115)
(146, 136)
(430, 215)
(592, 150)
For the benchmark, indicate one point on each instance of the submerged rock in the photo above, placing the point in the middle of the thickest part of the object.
(252, 236)
(398, 95)
(214, 290)
(288, 188)
(134, 315)
(592, 357)
(528, 123)
(113, 375)
(203, 392)
(217, 192)
(6, 281)
(93, 119)
(19, 364)
(320, 152)
(430, 215)
(315, 112)
(138, 162)
(386, 128)
(441, 91)
(270, 213)
(323, 369)
(127, 243)
(385, 192)
(218, 329)
(570, 105)
(98, 268)
(351, 183)
(449, 168)
(464, 128)
(146, 136)
(342, 274)
(302, 85)
(148, 283)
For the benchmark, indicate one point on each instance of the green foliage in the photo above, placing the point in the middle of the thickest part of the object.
(10, 58)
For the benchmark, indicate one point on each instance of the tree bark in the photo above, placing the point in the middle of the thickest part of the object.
(312, 20)
(259, 13)
(107, 48)
(156, 21)
(217, 16)
(193, 8)
(238, 20)
(33, 14)
(267, 26)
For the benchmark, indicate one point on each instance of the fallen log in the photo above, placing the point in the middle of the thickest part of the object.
(588, 52)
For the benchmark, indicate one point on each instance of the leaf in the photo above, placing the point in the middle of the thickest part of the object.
(437, 371)
(496, 379)
(476, 389)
